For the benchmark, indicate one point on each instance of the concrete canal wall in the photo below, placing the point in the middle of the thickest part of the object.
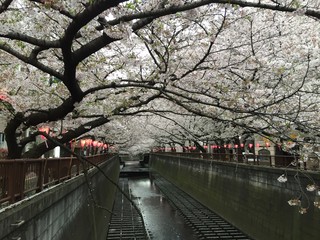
(64, 211)
(250, 197)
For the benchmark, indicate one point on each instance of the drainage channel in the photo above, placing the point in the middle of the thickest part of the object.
(187, 218)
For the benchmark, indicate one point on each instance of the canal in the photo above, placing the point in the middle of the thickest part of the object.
(161, 219)
(153, 208)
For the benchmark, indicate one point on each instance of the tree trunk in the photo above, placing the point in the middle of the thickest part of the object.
(14, 151)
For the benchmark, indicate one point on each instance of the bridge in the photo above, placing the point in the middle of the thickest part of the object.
(212, 198)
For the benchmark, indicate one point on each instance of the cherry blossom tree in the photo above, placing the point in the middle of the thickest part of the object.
(83, 65)
(254, 69)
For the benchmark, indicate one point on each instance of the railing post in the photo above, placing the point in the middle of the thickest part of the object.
(59, 165)
(270, 161)
(78, 166)
(45, 173)
(22, 179)
(11, 178)
(41, 175)
(255, 160)
(70, 167)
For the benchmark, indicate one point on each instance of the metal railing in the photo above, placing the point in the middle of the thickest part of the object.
(250, 158)
(21, 178)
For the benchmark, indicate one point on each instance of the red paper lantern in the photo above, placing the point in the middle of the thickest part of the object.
(82, 143)
(44, 130)
(95, 143)
(250, 145)
(88, 142)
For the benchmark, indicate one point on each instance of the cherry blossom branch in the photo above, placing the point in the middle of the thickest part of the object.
(32, 40)
(65, 138)
(56, 7)
(4, 6)
(189, 6)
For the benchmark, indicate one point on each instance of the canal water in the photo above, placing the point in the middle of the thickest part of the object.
(161, 219)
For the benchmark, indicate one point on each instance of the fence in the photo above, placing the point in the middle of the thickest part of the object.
(250, 158)
(20, 178)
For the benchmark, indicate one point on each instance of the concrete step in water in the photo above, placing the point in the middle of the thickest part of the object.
(133, 168)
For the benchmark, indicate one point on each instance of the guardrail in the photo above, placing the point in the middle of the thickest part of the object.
(20, 178)
(265, 160)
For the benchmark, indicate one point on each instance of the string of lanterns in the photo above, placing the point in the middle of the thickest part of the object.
(225, 146)
(89, 142)
(83, 142)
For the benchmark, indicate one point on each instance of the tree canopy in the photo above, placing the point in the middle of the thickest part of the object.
(113, 68)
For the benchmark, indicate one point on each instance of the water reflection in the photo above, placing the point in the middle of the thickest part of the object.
(160, 218)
